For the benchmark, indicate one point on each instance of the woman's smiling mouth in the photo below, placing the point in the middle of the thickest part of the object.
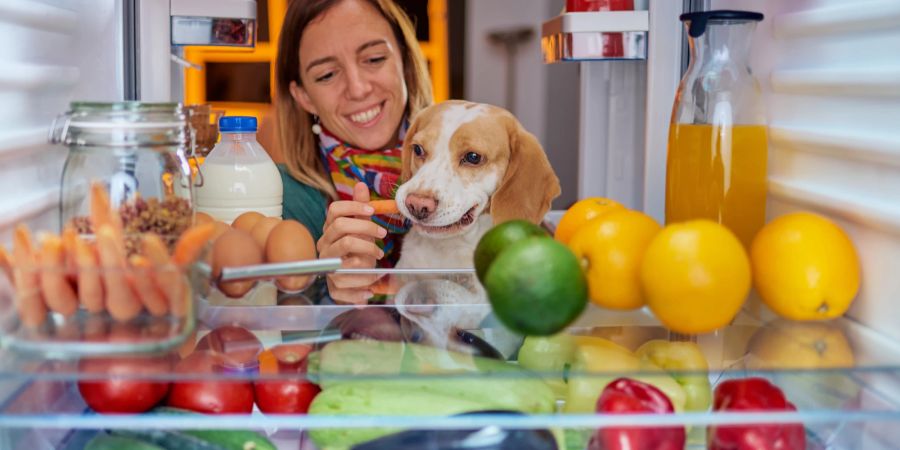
(367, 117)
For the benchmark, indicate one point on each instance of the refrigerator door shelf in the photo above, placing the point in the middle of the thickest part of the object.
(595, 36)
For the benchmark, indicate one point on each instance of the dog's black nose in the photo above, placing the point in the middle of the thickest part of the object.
(420, 206)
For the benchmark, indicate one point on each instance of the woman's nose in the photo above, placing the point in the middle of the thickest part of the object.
(358, 85)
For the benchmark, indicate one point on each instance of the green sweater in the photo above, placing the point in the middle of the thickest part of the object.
(303, 203)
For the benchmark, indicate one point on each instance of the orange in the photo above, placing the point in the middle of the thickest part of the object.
(610, 249)
(805, 267)
(580, 213)
(695, 276)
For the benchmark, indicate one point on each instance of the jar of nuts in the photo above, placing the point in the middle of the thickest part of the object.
(134, 151)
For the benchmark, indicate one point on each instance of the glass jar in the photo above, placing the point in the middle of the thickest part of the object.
(717, 155)
(137, 153)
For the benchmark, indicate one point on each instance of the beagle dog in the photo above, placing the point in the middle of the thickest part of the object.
(466, 167)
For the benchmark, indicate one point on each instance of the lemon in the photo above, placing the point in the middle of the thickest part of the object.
(610, 249)
(805, 267)
(695, 276)
(580, 213)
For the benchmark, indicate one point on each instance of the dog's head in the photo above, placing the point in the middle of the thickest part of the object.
(462, 159)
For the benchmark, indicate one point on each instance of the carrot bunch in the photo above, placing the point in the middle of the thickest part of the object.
(65, 272)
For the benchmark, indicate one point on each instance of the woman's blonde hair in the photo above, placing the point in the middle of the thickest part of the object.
(298, 142)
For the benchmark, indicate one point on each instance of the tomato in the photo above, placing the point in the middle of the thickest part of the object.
(232, 347)
(291, 357)
(208, 395)
(119, 391)
(285, 396)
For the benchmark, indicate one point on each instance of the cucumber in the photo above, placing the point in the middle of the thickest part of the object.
(104, 441)
(227, 439)
(169, 440)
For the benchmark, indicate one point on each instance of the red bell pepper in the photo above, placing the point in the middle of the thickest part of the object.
(627, 396)
(754, 394)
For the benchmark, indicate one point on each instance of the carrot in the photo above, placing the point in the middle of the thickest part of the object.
(29, 301)
(384, 206)
(58, 293)
(166, 275)
(6, 263)
(103, 214)
(68, 245)
(191, 243)
(147, 290)
(121, 301)
(90, 285)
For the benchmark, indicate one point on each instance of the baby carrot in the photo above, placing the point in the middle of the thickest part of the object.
(191, 243)
(30, 301)
(147, 289)
(90, 284)
(58, 293)
(384, 206)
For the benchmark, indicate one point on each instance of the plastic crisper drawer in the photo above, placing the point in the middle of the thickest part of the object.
(430, 335)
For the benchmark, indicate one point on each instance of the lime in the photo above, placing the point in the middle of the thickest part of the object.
(536, 286)
(500, 237)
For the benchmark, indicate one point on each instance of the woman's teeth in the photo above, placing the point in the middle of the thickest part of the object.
(365, 116)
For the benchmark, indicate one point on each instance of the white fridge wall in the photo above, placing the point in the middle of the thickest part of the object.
(56, 51)
(831, 75)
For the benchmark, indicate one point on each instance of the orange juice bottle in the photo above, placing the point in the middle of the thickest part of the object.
(717, 155)
(718, 173)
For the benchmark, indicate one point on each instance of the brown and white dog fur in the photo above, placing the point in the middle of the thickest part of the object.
(467, 166)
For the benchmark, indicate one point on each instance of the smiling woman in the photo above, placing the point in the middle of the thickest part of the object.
(349, 75)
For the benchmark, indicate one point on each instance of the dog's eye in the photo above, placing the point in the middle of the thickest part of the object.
(472, 158)
(418, 150)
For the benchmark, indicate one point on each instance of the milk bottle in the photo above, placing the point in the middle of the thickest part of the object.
(238, 174)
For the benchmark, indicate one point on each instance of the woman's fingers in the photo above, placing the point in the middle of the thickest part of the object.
(347, 208)
(352, 245)
(346, 226)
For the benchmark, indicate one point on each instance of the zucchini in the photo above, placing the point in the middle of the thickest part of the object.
(103, 441)
(365, 399)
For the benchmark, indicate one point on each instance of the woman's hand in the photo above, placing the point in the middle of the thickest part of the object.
(350, 234)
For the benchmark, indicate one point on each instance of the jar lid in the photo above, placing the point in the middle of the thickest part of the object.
(237, 124)
(120, 124)
(699, 19)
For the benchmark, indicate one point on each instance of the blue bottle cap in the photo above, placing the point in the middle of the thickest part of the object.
(237, 124)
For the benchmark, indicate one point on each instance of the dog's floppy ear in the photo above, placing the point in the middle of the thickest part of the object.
(529, 184)
(406, 152)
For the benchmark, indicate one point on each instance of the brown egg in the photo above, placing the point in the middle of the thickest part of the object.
(235, 248)
(201, 217)
(246, 220)
(290, 241)
(261, 230)
(221, 228)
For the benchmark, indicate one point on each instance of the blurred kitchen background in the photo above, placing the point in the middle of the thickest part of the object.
(480, 50)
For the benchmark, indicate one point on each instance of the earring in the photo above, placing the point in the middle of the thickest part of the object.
(316, 128)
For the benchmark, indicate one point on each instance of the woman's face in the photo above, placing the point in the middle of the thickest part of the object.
(351, 70)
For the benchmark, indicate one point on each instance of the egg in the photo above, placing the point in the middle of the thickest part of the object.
(235, 248)
(246, 221)
(290, 241)
(261, 230)
(201, 217)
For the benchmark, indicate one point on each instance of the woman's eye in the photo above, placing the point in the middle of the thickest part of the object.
(376, 59)
(325, 77)
(472, 158)
(418, 150)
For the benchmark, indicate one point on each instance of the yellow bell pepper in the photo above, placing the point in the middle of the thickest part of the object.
(686, 364)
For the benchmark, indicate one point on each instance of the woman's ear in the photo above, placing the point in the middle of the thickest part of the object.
(302, 98)
(529, 184)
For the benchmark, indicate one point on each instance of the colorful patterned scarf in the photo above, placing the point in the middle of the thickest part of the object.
(380, 170)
